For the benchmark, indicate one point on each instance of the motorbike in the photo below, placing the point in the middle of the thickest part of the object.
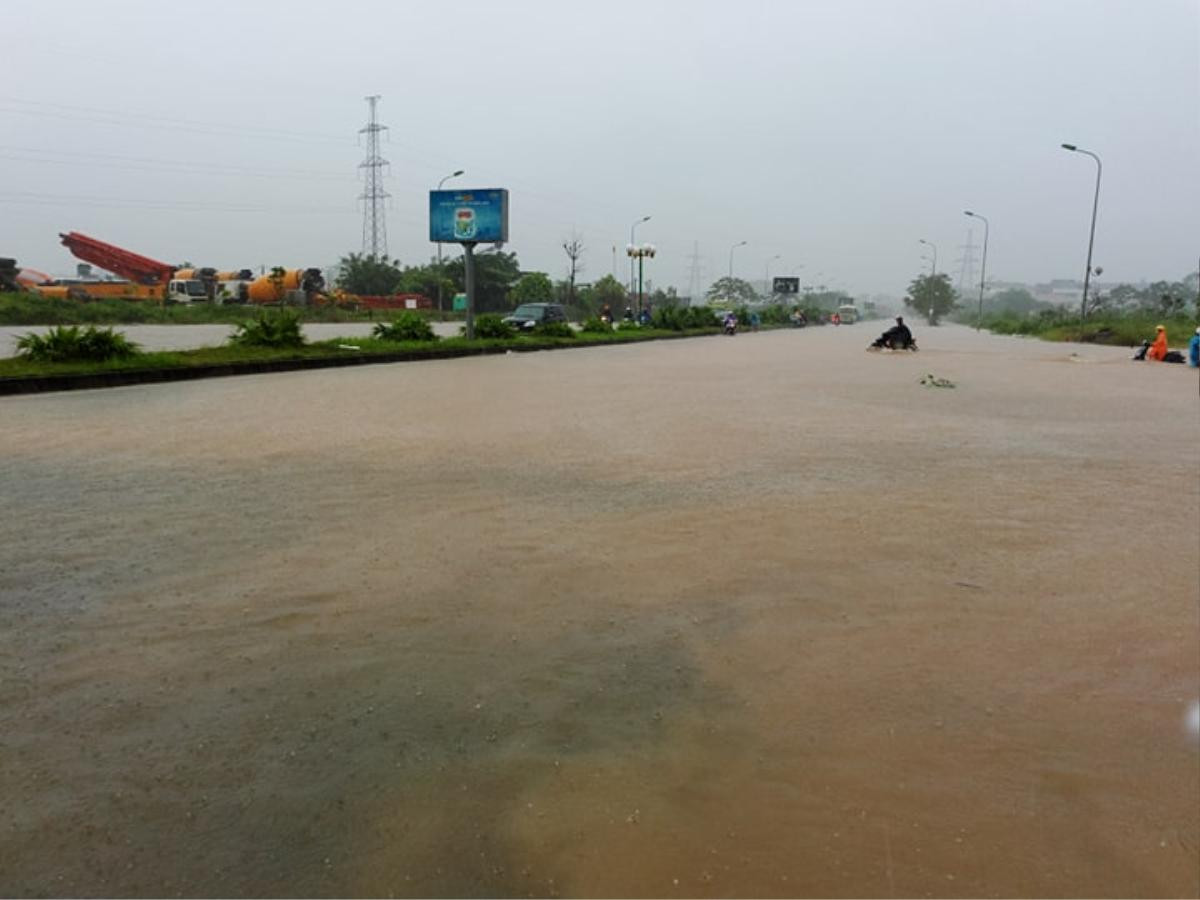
(887, 341)
(731, 326)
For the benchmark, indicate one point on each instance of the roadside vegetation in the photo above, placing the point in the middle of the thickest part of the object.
(267, 339)
(1123, 316)
(408, 326)
(279, 329)
(71, 343)
(1118, 329)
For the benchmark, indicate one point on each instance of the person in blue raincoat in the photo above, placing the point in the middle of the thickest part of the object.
(1194, 350)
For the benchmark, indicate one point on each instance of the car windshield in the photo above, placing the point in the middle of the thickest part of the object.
(530, 311)
(194, 288)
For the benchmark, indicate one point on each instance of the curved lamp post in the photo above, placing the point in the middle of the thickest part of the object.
(983, 268)
(1087, 273)
(453, 174)
(767, 275)
(731, 249)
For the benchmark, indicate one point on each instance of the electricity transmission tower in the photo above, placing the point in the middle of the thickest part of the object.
(966, 262)
(694, 275)
(374, 232)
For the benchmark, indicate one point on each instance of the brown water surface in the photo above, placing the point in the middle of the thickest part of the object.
(759, 616)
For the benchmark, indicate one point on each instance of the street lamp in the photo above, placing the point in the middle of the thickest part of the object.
(983, 268)
(1087, 273)
(453, 174)
(640, 254)
(632, 241)
(931, 244)
(767, 275)
(731, 249)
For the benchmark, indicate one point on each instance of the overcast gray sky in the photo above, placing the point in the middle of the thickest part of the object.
(834, 134)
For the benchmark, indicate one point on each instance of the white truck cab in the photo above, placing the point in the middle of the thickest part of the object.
(187, 290)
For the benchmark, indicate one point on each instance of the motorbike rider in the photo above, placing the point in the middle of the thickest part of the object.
(897, 337)
(731, 322)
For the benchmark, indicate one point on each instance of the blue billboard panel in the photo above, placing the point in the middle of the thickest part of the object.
(479, 216)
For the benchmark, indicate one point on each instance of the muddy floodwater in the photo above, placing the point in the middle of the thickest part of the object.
(756, 616)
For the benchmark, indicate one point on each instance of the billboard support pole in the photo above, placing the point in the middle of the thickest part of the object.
(469, 268)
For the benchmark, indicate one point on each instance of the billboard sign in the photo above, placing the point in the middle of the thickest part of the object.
(475, 216)
(786, 286)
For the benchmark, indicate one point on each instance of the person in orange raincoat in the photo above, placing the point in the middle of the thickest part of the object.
(1158, 350)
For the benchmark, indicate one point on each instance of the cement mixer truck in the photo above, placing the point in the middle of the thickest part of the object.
(287, 286)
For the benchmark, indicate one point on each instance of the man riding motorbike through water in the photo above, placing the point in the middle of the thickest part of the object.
(898, 337)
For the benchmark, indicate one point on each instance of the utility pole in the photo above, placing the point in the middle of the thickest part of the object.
(933, 246)
(374, 232)
(1087, 272)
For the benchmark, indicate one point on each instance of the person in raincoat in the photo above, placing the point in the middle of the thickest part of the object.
(1158, 350)
(1194, 350)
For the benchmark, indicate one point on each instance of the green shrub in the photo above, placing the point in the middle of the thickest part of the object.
(701, 317)
(596, 325)
(490, 325)
(70, 343)
(408, 326)
(626, 325)
(775, 314)
(281, 329)
(669, 318)
(554, 329)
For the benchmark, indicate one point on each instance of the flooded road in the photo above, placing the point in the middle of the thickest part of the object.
(190, 337)
(758, 616)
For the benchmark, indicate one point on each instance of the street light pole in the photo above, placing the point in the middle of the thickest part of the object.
(1087, 274)
(640, 254)
(933, 270)
(731, 249)
(983, 267)
(767, 275)
(453, 174)
(633, 242)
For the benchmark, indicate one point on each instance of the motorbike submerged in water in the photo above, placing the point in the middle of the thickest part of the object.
(883, 342)
(898, 337)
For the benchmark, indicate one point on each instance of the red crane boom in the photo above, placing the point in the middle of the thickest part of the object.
(138, 269)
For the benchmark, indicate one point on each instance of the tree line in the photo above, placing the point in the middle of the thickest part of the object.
(932, 297)
(501, 285)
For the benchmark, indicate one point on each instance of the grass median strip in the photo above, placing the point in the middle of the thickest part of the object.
(16, 369)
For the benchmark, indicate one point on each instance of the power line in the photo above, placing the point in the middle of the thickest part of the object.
(38, 199)
(150, 120)
(374, 239)
(161, 166)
